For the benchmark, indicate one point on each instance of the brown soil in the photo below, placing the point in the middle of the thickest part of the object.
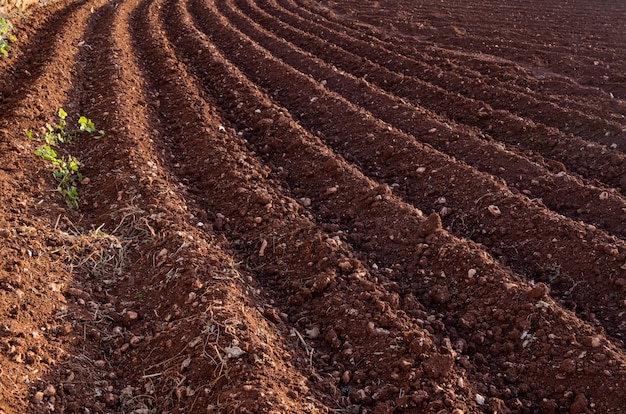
(316, 206)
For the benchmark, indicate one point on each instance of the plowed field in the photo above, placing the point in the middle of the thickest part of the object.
(308, 206)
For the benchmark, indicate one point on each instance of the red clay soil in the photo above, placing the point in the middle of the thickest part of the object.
(316, 206)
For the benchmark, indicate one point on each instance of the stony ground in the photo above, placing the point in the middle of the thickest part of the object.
(316, 206)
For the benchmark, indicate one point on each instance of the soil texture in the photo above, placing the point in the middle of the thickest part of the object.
(314, 206)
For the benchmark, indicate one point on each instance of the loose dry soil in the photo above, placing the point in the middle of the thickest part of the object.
(308, 206)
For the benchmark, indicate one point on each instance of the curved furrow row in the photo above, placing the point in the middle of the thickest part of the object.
(347, 201)
(498, 72)
(44, 69)
(297, 211)
(34, 84)
(461, 143)
(455, 79)
(301, 268)
(599, 162)
(587, 63)
(534, 243)
(34, 41)
(215, 314)
(472, 31)
(130, 191)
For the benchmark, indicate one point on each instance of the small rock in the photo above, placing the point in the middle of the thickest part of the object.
(233, 352)
(78, 293)
(38, 397)
(313, 333)
(110, 399)
(321, 282)
(345, 266)
(262, 197)
(579, 406)
(510, 286)
(480, 400)
(494, 210)
(345, 377)
(305, 202)
(134, 340)
(50, 391)
(429, 226)
(445, 211)
(539, 291)
(100, 363)
(592, 341)
(272, 315)
(5, 233)
(130, 317)
(438, 365)
(420, 345)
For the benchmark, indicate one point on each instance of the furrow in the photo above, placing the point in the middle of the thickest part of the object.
(299, 267)
(498, 72)
(456, 140)
(44, 70)
(480, 89)
(34, 36)
(309, 206)
(384, 212)
(538, 241)
(432, 22)
(174, 257)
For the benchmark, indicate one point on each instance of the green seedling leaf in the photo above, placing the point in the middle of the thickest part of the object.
(87, 125)
(46, 152)
(70, 195)
(65, 170)
(73, 164)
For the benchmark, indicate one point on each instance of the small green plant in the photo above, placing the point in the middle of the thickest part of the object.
(59, 134)
(5, 36)
(65, 169)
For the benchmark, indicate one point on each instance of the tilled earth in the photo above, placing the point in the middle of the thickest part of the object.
(309, 206)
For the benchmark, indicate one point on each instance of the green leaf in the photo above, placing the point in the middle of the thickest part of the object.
(29, 134)
(73, 164)
(86, 124)
(62, 114)
(46, 153)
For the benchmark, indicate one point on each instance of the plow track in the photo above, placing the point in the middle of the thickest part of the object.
(317, 207)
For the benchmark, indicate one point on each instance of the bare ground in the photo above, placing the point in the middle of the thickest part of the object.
(316, 206)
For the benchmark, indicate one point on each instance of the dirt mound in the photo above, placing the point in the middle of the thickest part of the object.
(309, 207)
